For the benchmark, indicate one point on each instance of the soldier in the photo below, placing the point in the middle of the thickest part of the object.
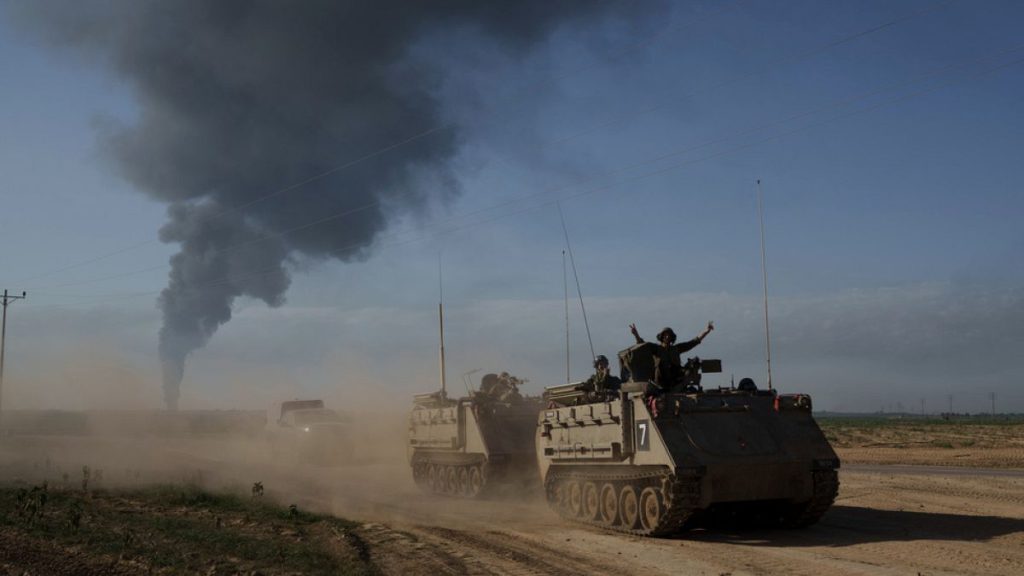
(667, 367)
(503, 387)
(509, 388)
(602, 386)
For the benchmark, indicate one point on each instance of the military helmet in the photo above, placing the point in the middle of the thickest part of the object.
(600, 358)
(666, 331)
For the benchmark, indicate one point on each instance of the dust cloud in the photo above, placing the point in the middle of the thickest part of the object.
(230, 450)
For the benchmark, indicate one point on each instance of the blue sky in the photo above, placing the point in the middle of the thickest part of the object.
(889, 160)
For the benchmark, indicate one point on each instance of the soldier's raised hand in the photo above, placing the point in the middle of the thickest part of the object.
(632, 328)
(707, 330)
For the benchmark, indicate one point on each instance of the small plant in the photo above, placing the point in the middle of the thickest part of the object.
(32, 504)
(75, 516)
(22, 499)
(257, 489)
(43, 496)
(293, 511)
(85, 478)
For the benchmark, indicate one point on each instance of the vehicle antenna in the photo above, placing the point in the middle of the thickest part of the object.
(440, 319)
(576, 275)
(565, 285)
(764, 277)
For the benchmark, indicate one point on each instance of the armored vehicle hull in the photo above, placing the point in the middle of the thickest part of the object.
(472, 446)
(653, 464)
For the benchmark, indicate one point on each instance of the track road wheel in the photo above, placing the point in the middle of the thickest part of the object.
(451, 485)
(609, 504)
(629, 506)
(574, 502)
(434, 478)
(651, 509)
(591, 502)
(464, 480)
(476, 481)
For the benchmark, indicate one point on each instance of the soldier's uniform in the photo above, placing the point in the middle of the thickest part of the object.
(601, 387)
(667, 364)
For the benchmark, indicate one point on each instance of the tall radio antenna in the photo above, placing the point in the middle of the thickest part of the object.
(764, 279)
(576, 275)
(440, 320)
(565, 285)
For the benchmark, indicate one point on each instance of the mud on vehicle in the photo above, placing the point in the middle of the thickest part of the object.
(655, 461)
(470, 446)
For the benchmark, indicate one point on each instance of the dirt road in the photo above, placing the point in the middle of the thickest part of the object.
(883, 523)
(886, 520)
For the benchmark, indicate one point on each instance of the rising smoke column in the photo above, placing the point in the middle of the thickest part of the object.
(238, 99)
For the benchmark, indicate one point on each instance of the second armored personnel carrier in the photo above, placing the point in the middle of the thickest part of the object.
(469, 446)
(305, 431)
(653, 460)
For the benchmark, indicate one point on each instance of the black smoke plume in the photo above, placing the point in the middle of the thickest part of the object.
(239, 99)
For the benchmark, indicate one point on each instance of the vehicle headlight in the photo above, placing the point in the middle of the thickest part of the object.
(306, 429)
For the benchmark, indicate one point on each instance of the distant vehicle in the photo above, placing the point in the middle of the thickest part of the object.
(311, 433)
(654, 461)
(469, 446)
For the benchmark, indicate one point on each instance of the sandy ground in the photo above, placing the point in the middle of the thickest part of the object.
(929, 443)
(887, 520)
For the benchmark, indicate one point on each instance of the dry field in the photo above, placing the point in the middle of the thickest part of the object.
(973, 442)
(887, 520)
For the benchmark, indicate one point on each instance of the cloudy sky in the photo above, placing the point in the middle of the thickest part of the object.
(308, 169)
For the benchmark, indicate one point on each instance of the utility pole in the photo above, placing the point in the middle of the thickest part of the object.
(992, 396)
(3, 339)
(950, 396)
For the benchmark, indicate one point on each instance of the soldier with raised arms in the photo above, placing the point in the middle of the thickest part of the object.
(667, 367)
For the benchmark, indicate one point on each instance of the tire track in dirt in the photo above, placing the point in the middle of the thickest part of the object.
(396, 552)
(503, 553)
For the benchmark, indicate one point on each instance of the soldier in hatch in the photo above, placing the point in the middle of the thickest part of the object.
(602, 386)
(503, 387)
(667, 367)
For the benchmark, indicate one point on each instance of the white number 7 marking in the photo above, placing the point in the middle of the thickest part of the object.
(643, 434)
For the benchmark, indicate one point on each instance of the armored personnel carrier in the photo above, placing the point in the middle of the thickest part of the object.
(655, 460)
(305, 431)
(469, 446)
